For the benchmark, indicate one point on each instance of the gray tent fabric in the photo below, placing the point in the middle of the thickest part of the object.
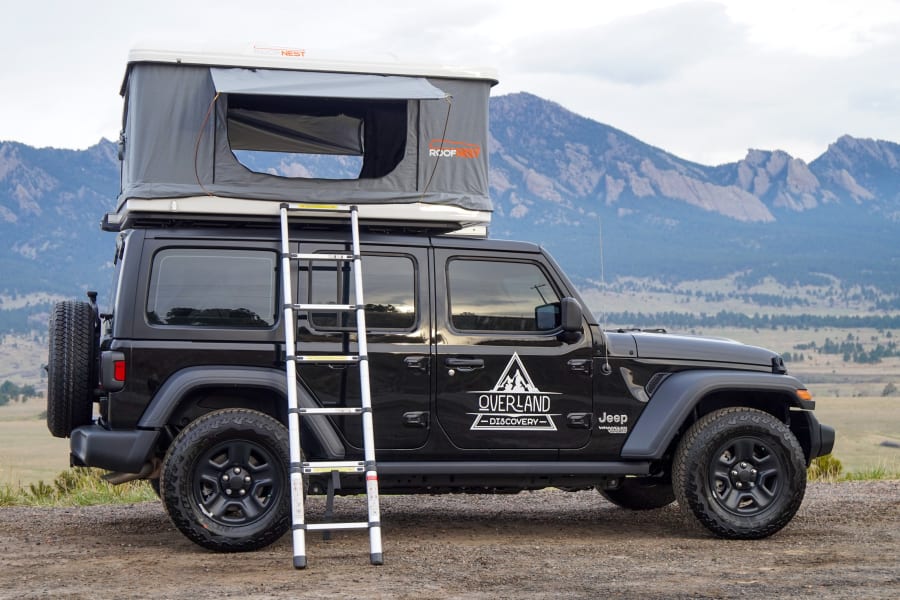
(314, 84)
(248, 130)
(429, 145)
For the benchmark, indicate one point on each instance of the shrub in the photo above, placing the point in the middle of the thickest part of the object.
(76, 487)
(827, 468)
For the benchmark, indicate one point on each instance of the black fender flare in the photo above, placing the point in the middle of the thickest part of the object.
(676, 397)
(167, 398)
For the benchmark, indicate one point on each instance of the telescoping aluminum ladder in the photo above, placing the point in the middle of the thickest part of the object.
(299, 467)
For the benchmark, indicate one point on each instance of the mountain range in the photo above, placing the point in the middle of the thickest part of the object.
(607, 205)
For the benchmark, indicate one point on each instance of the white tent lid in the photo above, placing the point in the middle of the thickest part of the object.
(273, 82)
(218, 55)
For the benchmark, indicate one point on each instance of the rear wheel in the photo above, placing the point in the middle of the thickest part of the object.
(225, 480)
(71, 367)
(741, 472)
(640, 493)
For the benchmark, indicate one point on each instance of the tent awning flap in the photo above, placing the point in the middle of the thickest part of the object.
(313, 84)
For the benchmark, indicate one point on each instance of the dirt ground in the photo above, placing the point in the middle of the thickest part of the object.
(844, 543)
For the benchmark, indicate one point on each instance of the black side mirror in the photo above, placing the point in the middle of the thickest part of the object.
(565, 314)
(571, 318)
(547, 316)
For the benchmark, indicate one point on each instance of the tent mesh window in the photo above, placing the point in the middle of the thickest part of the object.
(316, 138)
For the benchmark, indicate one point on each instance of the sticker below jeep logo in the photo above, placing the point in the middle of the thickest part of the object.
(515, 403)
(612, 423)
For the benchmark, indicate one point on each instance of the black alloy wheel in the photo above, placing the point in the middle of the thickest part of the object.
(225, 480)
(741, 472)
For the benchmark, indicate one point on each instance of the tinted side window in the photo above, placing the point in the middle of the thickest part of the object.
(212, 288)
(496, 296)
(388, 290)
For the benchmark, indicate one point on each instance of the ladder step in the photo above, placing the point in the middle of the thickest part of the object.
(354, 410)
(317, 207)
(326, 526)
(327, 466)
(324, 307)
(324, 358)
(338, 257)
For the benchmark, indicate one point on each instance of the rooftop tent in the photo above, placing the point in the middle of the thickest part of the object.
(256, 128)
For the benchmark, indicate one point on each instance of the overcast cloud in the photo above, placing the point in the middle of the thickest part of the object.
(705, 80)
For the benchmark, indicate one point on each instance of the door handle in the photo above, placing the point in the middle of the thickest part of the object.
(419, 363)
(464, 365)
(580, 365)
(417, 419)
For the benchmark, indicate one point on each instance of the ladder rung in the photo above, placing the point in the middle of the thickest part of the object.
(326, 526)
(353, 410)
(318, 207)
(327, 466)
(302, 256)
(324, 358)
(326, 307)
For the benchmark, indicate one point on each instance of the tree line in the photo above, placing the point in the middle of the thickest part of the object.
(11, 392)
(680, 321)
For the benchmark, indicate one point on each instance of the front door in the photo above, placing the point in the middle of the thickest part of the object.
(504, 378)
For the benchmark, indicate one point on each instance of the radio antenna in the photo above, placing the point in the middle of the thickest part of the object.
(605, 368)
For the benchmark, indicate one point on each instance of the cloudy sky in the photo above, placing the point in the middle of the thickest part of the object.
(703, 79)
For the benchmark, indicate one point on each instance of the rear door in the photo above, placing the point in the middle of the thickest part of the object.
(501, 382)
(398, 319)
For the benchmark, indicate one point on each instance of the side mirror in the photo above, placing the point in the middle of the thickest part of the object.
(571, 318)
(547, 316)
(565, 314)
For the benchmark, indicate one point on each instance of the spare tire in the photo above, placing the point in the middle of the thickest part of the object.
(71, 367)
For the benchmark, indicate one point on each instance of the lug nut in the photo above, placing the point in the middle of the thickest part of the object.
(739, 485)
(242, 492)
(228, 492)
(753, 471)
(247, 479)
(225, 477)
(237, 470)
(743, 465)
(734, 473)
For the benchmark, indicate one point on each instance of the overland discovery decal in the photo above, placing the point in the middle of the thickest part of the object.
(515, 403)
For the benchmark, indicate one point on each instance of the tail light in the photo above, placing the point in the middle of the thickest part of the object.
(112, 370)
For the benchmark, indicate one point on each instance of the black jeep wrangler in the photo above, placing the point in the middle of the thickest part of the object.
(488, 373)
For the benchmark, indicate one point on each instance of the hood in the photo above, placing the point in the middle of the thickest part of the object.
(665, 346)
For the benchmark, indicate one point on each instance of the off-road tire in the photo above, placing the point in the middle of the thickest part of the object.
(71, 367)
(740, 472)
(224, 480)
(640, 493)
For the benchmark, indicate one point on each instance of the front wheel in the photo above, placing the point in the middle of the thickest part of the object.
(225, 480)
(741, 472)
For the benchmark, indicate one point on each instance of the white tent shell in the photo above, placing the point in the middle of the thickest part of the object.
(418, 134)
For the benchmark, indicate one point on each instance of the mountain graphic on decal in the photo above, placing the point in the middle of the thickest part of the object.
(515, 378)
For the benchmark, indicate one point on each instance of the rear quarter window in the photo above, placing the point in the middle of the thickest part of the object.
(206, 287)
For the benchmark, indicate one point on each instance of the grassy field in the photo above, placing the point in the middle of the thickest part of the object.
(28, 453)
(849, 398)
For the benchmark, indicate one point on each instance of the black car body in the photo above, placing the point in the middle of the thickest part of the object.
(488, 372)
